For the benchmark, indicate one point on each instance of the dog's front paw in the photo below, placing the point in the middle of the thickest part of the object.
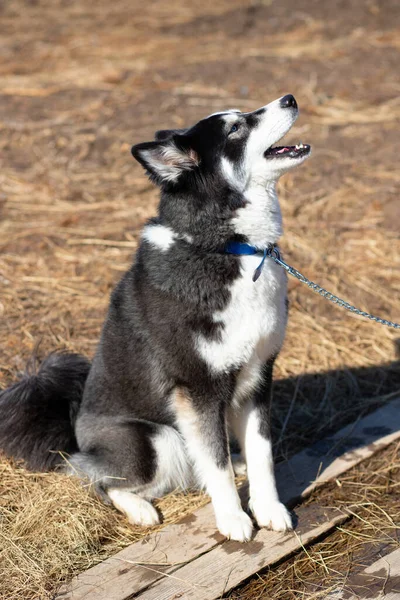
(235, 526)
(273, 515)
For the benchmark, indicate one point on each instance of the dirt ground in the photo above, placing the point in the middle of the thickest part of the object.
(82, 81)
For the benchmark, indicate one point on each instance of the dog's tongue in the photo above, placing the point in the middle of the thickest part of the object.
(282, 150)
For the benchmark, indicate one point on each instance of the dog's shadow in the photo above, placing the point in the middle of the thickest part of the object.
(309, 408)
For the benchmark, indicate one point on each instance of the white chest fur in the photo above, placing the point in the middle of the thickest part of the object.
(254, 323)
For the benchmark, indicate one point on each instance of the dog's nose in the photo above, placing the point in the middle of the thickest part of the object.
(288, 101)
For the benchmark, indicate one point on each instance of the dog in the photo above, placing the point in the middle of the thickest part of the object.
(188, 345)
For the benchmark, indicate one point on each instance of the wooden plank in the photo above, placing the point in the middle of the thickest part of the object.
(223, 568)
(145, 562)
(328, 458)
(379, 580)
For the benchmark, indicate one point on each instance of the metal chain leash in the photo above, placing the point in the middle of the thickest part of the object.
(273, 252)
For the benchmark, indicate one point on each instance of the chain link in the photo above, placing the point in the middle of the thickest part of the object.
(274, 253)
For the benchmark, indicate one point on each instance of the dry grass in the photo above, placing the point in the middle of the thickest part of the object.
(370, 493)
(52, 527)
(82, 81)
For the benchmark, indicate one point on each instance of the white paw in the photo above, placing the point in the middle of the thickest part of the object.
(235, 526)
(137, 510)
(144, 514)
(273, 515)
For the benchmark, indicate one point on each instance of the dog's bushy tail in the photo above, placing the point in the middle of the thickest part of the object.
(37, 414)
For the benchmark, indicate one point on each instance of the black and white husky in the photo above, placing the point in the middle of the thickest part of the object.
(188, 346)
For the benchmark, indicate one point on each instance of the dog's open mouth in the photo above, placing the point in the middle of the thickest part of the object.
(290, 151)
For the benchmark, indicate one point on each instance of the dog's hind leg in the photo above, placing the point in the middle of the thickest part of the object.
(130, 462)
(137, 510)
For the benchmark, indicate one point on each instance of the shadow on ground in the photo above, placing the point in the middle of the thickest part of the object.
(309, 407)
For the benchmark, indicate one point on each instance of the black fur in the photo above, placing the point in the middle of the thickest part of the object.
(161, 304)
(146, 348)
(174, 369)
(263, 397)
(149, 382)
(38, 413)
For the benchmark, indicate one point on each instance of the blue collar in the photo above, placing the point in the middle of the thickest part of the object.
(246, 249)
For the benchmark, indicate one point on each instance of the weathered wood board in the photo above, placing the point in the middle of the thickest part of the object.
(328, 458)
(223, 568)
(379, 581)
(146, 562)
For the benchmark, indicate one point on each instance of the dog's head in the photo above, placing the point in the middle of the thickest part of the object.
(217, 178)
(229, 147)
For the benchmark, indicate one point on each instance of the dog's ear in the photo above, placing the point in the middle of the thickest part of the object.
(165, 160)
(165, 134)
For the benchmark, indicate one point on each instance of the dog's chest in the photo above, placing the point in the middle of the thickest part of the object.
(253, 322)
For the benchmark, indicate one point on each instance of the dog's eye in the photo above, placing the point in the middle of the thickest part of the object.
(234, 128)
